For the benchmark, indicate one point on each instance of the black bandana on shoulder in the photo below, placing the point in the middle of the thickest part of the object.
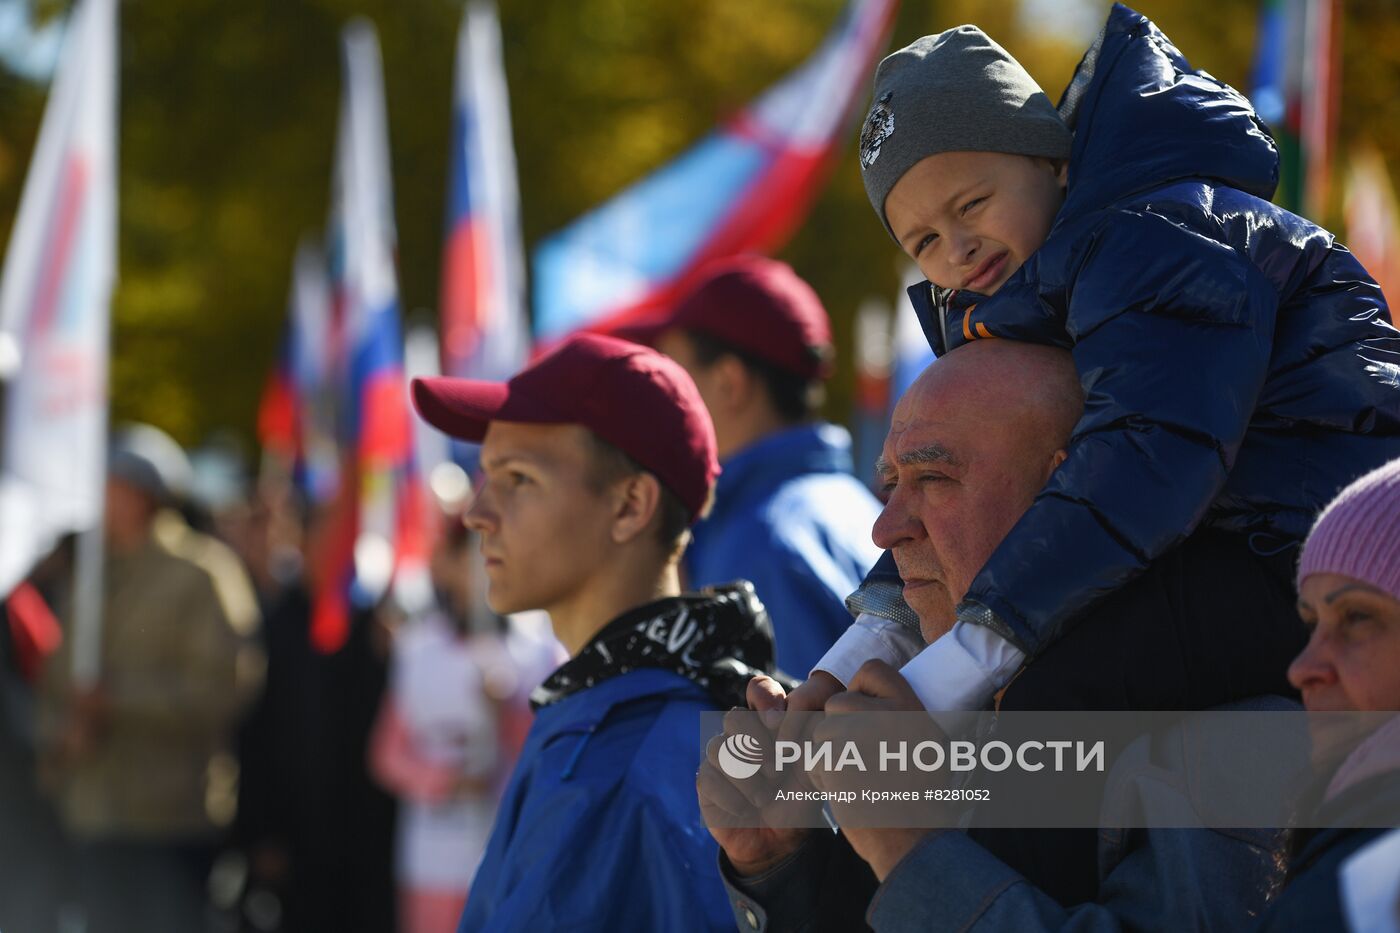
(719, 638)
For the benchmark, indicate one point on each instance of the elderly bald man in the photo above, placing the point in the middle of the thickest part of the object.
(971, 444)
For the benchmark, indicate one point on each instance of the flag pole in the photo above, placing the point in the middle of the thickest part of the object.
(90, 552)
(90, 555)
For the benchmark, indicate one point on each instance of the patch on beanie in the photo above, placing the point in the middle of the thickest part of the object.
(878, 127)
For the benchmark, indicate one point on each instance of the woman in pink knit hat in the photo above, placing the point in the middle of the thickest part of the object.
(1349, 597)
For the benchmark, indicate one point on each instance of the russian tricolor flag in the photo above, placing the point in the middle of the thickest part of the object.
(375, 536)
(744, 188)
(484, 323)
(297, 414)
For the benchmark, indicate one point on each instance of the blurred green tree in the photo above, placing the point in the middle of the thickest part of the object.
(228, 123)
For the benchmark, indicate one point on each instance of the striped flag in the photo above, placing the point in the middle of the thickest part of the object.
(278, 430)
(1372, 219)
(1295, 86)
(297, 414)
(375, 537)
(55, 298)
(744, 188)
(423, 360)
(485, 325)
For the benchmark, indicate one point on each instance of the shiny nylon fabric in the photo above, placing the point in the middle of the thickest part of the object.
(1239, 365)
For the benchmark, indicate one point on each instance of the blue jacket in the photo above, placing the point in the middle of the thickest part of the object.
(1311, 899)
(790, 517)
(1239, 365)
(1154, 879)
(599, 828)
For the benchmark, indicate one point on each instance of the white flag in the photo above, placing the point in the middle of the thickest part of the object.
(55, 297)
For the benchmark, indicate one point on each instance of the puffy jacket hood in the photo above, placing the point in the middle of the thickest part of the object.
(1143, 118)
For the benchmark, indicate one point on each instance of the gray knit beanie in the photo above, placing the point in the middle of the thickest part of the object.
(957, 91)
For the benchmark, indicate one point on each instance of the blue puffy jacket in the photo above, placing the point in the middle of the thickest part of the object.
(790, 518)
(1239, 365)
(600, 828)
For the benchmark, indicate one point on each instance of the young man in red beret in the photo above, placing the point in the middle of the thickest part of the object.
(596, 460)
(789, 515)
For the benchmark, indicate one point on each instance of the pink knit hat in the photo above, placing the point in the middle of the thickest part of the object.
(1358, 534)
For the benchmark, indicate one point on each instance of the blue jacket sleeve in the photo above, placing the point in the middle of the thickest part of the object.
(804, 588)
(1172, 333)
(608, 863)
(1173, 879)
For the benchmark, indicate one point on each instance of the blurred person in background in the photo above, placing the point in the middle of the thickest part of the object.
(276, 742)
(789, 516)
(32, 851)
(239, 515)
(139, 762)
(315, 828)
(252, 882)
(438, 743)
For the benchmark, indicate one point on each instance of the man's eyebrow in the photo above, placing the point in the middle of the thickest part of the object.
(929, 453)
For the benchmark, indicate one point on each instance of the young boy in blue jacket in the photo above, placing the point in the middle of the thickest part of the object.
(596, 460)
(1239, 367)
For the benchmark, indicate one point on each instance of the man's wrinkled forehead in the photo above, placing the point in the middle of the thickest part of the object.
(920, 435)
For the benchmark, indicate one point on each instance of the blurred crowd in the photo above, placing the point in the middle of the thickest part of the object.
(222, 773)
(1155, 466)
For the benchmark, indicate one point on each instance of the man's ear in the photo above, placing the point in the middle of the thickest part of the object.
(1062, 172)
(635, 503)
(1057, 458)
